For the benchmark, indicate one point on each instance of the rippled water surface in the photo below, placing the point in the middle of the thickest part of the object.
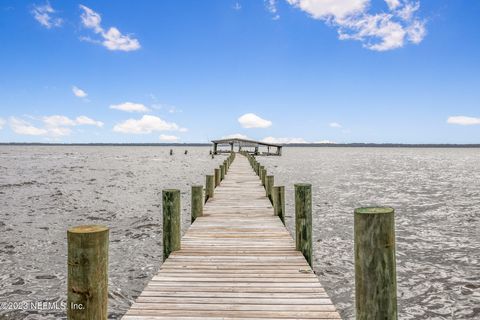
(436, 194)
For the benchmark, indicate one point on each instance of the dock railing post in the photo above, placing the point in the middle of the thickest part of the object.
(171, 222)
(279, 202)
(209, 187)
(197, 202)
(87, 281)
(269, 186)
(222, 172)
(217, 177)
(264, 176)
(303, 220)
(375, 263)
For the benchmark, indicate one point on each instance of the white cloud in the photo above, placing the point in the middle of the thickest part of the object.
(393, 4)
(271, 6)
(130, 107)
(237, 6)
(44, 15)
(113, 39)
(321, 9)
(407, 12)
(84, 120)
(53, 126)
(2, 123)
(335, 125)
(463, 120)
(167, 138)
(56, 121)
(147, 124)
(63, 121)
(377, 31)
(79, 92)
(23, 127)
(251, 120)
(283, 140)
(235, 136)
(325, 142)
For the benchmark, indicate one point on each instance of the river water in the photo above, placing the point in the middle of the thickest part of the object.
(436, 194)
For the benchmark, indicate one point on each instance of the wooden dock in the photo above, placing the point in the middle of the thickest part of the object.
(237, 261)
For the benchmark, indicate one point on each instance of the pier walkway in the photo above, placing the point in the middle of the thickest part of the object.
(237, 261)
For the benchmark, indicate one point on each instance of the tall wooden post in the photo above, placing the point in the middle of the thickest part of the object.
(222, 172)
(87, 287)
(197, 202)
(209, 187)
(269, 187)
(375, 264)
(217, 177)
(171, 222)
(279, 202)
(264, 176)
(303, 220)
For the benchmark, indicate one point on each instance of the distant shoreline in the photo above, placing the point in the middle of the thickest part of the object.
(310, 145)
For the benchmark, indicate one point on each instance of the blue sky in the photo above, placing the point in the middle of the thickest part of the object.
(399, 71)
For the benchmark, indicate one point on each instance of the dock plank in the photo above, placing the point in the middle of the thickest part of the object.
(237, 261)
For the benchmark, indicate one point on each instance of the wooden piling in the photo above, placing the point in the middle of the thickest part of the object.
(264, 176)
(303, 220)
(171, 221)
(209, 187)
(375, 265)
(278, 196)
(217, 177)
(87, 283)
(269, 182)
(197, 202)
(222, 172)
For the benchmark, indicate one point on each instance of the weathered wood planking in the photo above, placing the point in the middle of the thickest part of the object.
(237, 261)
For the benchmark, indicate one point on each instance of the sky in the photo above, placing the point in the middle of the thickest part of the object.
(342, 71)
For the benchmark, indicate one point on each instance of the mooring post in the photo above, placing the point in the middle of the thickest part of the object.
(197, 202)
(209, 187)
(87, 283)
(217, 177)
(303, 220)
(257, 170)
(222, 172)
(171, 222)
(279, 202)
(264, 176)
(269, 187)
(375, 264)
